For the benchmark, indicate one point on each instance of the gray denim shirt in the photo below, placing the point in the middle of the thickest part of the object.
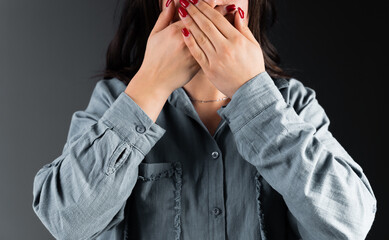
(272, 170)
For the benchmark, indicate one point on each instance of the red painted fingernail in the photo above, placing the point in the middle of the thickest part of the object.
(231, 8)
(194, 1)
(168, 3)
(182, 12)
(185, 32)
(241, 13)
(184, 3)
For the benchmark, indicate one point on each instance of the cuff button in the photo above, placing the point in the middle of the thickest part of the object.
(140, 128)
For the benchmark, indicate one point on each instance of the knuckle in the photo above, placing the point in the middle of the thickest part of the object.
(219, 18)
(198, 55)
(237, 40)
(226, 51)
(202, 40)
(192, 47)
(191, 24)
(224, 47)
(174, 30)
(228, 54)
(195, 14)
(190, 44)
(208, 27)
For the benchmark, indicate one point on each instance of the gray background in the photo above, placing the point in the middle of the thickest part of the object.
(50, 49)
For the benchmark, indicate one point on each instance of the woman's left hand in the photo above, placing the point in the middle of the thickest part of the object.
(228, 55)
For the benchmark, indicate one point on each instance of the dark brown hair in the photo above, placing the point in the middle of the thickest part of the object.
(125, 52)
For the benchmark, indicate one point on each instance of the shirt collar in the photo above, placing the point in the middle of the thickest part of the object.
(180, 99)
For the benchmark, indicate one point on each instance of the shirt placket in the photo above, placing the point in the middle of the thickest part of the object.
(216, 203)
(214, 167)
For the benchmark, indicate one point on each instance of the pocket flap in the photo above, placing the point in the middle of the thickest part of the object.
(154, 171)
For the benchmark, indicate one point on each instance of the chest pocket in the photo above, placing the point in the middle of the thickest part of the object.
(155, 202)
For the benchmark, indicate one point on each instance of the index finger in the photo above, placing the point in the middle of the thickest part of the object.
(220, 22)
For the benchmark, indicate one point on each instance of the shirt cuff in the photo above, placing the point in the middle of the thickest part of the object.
(249, 100)
(128, 119)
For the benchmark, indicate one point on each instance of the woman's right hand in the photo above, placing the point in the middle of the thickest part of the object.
(167, 62)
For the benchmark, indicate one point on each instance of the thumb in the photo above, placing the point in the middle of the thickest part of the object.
(164, 18)
(240, 25)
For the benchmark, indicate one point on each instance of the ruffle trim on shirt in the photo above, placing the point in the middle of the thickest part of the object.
(259, 207)
(177, 198)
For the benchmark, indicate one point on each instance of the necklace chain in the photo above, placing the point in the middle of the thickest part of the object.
(204, 101)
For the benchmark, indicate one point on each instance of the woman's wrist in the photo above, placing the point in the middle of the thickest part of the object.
(152, 82)
(148, 94)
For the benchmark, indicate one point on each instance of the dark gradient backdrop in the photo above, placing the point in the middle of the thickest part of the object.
(49, 49)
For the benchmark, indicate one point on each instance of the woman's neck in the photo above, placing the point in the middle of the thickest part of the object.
(201, 88)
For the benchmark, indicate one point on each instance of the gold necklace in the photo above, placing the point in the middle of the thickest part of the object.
(204, 101)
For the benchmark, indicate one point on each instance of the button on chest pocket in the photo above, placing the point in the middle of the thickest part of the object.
(155, 207)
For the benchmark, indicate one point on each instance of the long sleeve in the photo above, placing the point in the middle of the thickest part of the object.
(84, 190)
(288, 141)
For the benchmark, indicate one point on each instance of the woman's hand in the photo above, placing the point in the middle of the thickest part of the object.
(167, 63)
(228, 55)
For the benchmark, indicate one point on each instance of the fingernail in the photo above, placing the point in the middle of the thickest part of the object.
(184, 3)
(230, 8)
(241, 13)
(168, 3)
(182, 12)
(185, 32)
(194, 1)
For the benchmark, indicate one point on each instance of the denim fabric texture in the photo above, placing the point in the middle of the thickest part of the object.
(271, 171)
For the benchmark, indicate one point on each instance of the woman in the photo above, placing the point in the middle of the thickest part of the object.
(150, 159)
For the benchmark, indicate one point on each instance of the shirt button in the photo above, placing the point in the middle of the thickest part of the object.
(140, 128)
(215, 154)
(216, 211)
